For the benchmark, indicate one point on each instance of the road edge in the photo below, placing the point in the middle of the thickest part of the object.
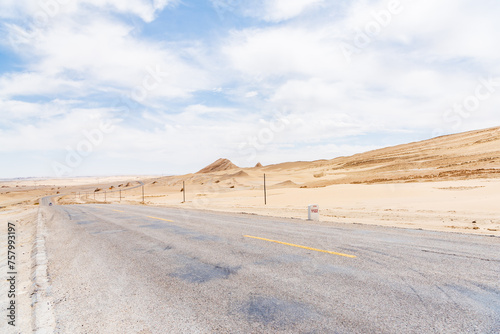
(43, 319)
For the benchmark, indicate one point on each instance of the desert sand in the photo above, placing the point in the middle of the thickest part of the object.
(449, 183)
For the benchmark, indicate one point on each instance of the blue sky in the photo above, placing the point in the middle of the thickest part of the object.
(102, 87)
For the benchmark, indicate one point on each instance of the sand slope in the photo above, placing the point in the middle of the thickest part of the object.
(462, 156)
(219, 165)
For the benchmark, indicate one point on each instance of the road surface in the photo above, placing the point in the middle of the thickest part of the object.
(138, 269)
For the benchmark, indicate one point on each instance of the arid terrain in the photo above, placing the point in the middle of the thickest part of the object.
(450, 183)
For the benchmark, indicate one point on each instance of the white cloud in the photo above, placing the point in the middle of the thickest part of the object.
(452, 30)
(36, 84)
(43, 11)
(13, 9)
(429, 57)
(52, 130)
(200, 109)
(103, 54)
(14, 110)
(262, 53)
(280, 10)
(251, 94)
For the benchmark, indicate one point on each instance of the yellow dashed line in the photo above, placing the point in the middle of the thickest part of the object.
(118, 211)
(299, 246)
(171, 221)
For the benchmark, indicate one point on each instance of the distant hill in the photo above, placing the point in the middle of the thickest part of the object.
(219, 165)
(474, 154)
(462, 156)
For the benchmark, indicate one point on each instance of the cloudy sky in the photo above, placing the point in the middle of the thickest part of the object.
(100, 87)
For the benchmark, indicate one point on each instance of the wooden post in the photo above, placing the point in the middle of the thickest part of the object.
(184, 192)
(265, 190)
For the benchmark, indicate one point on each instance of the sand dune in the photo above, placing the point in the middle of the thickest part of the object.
(238, 174)
(285, 184)
(219, 165)
(463, 156)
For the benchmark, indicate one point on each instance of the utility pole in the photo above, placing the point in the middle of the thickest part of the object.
(120, 195)
(184, 191)
(143, 195)
(265, 191)
(105, 198)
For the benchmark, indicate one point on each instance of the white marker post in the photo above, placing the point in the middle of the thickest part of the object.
(313, 212)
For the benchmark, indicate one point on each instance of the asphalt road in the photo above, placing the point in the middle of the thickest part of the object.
(138, 269)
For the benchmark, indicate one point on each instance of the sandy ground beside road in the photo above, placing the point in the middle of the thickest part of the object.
(449, 183)
(460, 206)
(24, 219)
(465, 206)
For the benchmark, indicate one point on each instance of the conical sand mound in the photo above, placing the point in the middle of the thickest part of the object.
(219, 165)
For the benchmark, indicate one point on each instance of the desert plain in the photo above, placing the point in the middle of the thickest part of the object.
(449, 183)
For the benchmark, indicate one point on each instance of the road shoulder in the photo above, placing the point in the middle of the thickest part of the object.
(23, 218)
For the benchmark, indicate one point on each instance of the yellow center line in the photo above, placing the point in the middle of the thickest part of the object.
(118, 211)
(299, 246)
(171, 221)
